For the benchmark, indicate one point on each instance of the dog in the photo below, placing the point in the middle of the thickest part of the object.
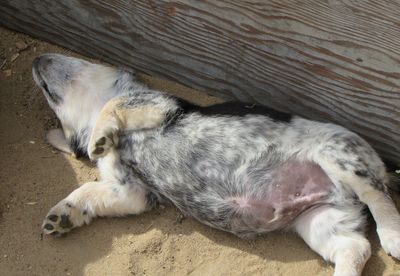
(240, 168)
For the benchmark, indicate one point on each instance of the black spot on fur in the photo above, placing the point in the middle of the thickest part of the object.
(352, 144)
(75, 146)
(68, 205)
(378, 184)
(361, 173)
(342, 164)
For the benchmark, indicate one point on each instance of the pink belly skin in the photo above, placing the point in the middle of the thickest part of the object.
(296, 187)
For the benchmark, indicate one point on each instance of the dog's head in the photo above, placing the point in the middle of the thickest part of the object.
(77, 90)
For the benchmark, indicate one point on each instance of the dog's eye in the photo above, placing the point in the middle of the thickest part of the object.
(54, 97)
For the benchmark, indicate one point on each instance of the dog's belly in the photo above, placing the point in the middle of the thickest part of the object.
(296, 187)
(242, 198)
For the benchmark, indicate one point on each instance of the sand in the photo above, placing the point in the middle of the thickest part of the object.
(34, 177)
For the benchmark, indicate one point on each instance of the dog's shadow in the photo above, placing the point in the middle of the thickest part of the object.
(143, 236)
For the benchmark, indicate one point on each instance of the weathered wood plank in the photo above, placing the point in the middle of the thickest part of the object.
(328, 60)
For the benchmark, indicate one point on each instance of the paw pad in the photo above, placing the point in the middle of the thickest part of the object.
(65, 222)
(52, 218)
(101, 146)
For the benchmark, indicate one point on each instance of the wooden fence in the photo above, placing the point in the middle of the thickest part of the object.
(327, 60)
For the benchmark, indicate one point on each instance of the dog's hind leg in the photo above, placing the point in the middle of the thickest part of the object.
(352, 164)
(119, 115)
(336, 234)
(93, 199)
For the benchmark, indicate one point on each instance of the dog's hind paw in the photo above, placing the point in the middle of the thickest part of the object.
(63, 217)
(101, 142)
(100, 147)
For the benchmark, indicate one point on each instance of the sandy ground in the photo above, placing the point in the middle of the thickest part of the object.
(34, 177)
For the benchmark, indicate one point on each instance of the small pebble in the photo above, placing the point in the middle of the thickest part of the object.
(21, 45)
(7, 72)
(32, 142)
(5, 256)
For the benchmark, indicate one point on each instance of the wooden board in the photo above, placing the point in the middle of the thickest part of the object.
(327, 60)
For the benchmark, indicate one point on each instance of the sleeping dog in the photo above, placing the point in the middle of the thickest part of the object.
(239, 168)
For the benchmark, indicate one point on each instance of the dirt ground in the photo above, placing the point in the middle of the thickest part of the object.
(34, 177)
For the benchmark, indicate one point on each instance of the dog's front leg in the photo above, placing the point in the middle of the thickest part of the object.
(119, 115)
(94, 199)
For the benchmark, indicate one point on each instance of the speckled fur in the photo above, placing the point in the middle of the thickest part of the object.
(213, 165)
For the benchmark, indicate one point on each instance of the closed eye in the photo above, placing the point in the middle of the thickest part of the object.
(54, 97)
(45, 87)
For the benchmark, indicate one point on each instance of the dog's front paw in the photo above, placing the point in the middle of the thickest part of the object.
(390, 241)
(101, 142)
(63, 217)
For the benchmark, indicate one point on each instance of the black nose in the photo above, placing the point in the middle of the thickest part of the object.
(40, 70)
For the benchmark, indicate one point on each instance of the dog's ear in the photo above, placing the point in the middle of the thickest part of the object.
(56, 138)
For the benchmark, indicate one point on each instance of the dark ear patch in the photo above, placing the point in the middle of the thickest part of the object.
(243, 109)
(236, 109)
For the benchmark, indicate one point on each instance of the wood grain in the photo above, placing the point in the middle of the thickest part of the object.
(327, 60)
